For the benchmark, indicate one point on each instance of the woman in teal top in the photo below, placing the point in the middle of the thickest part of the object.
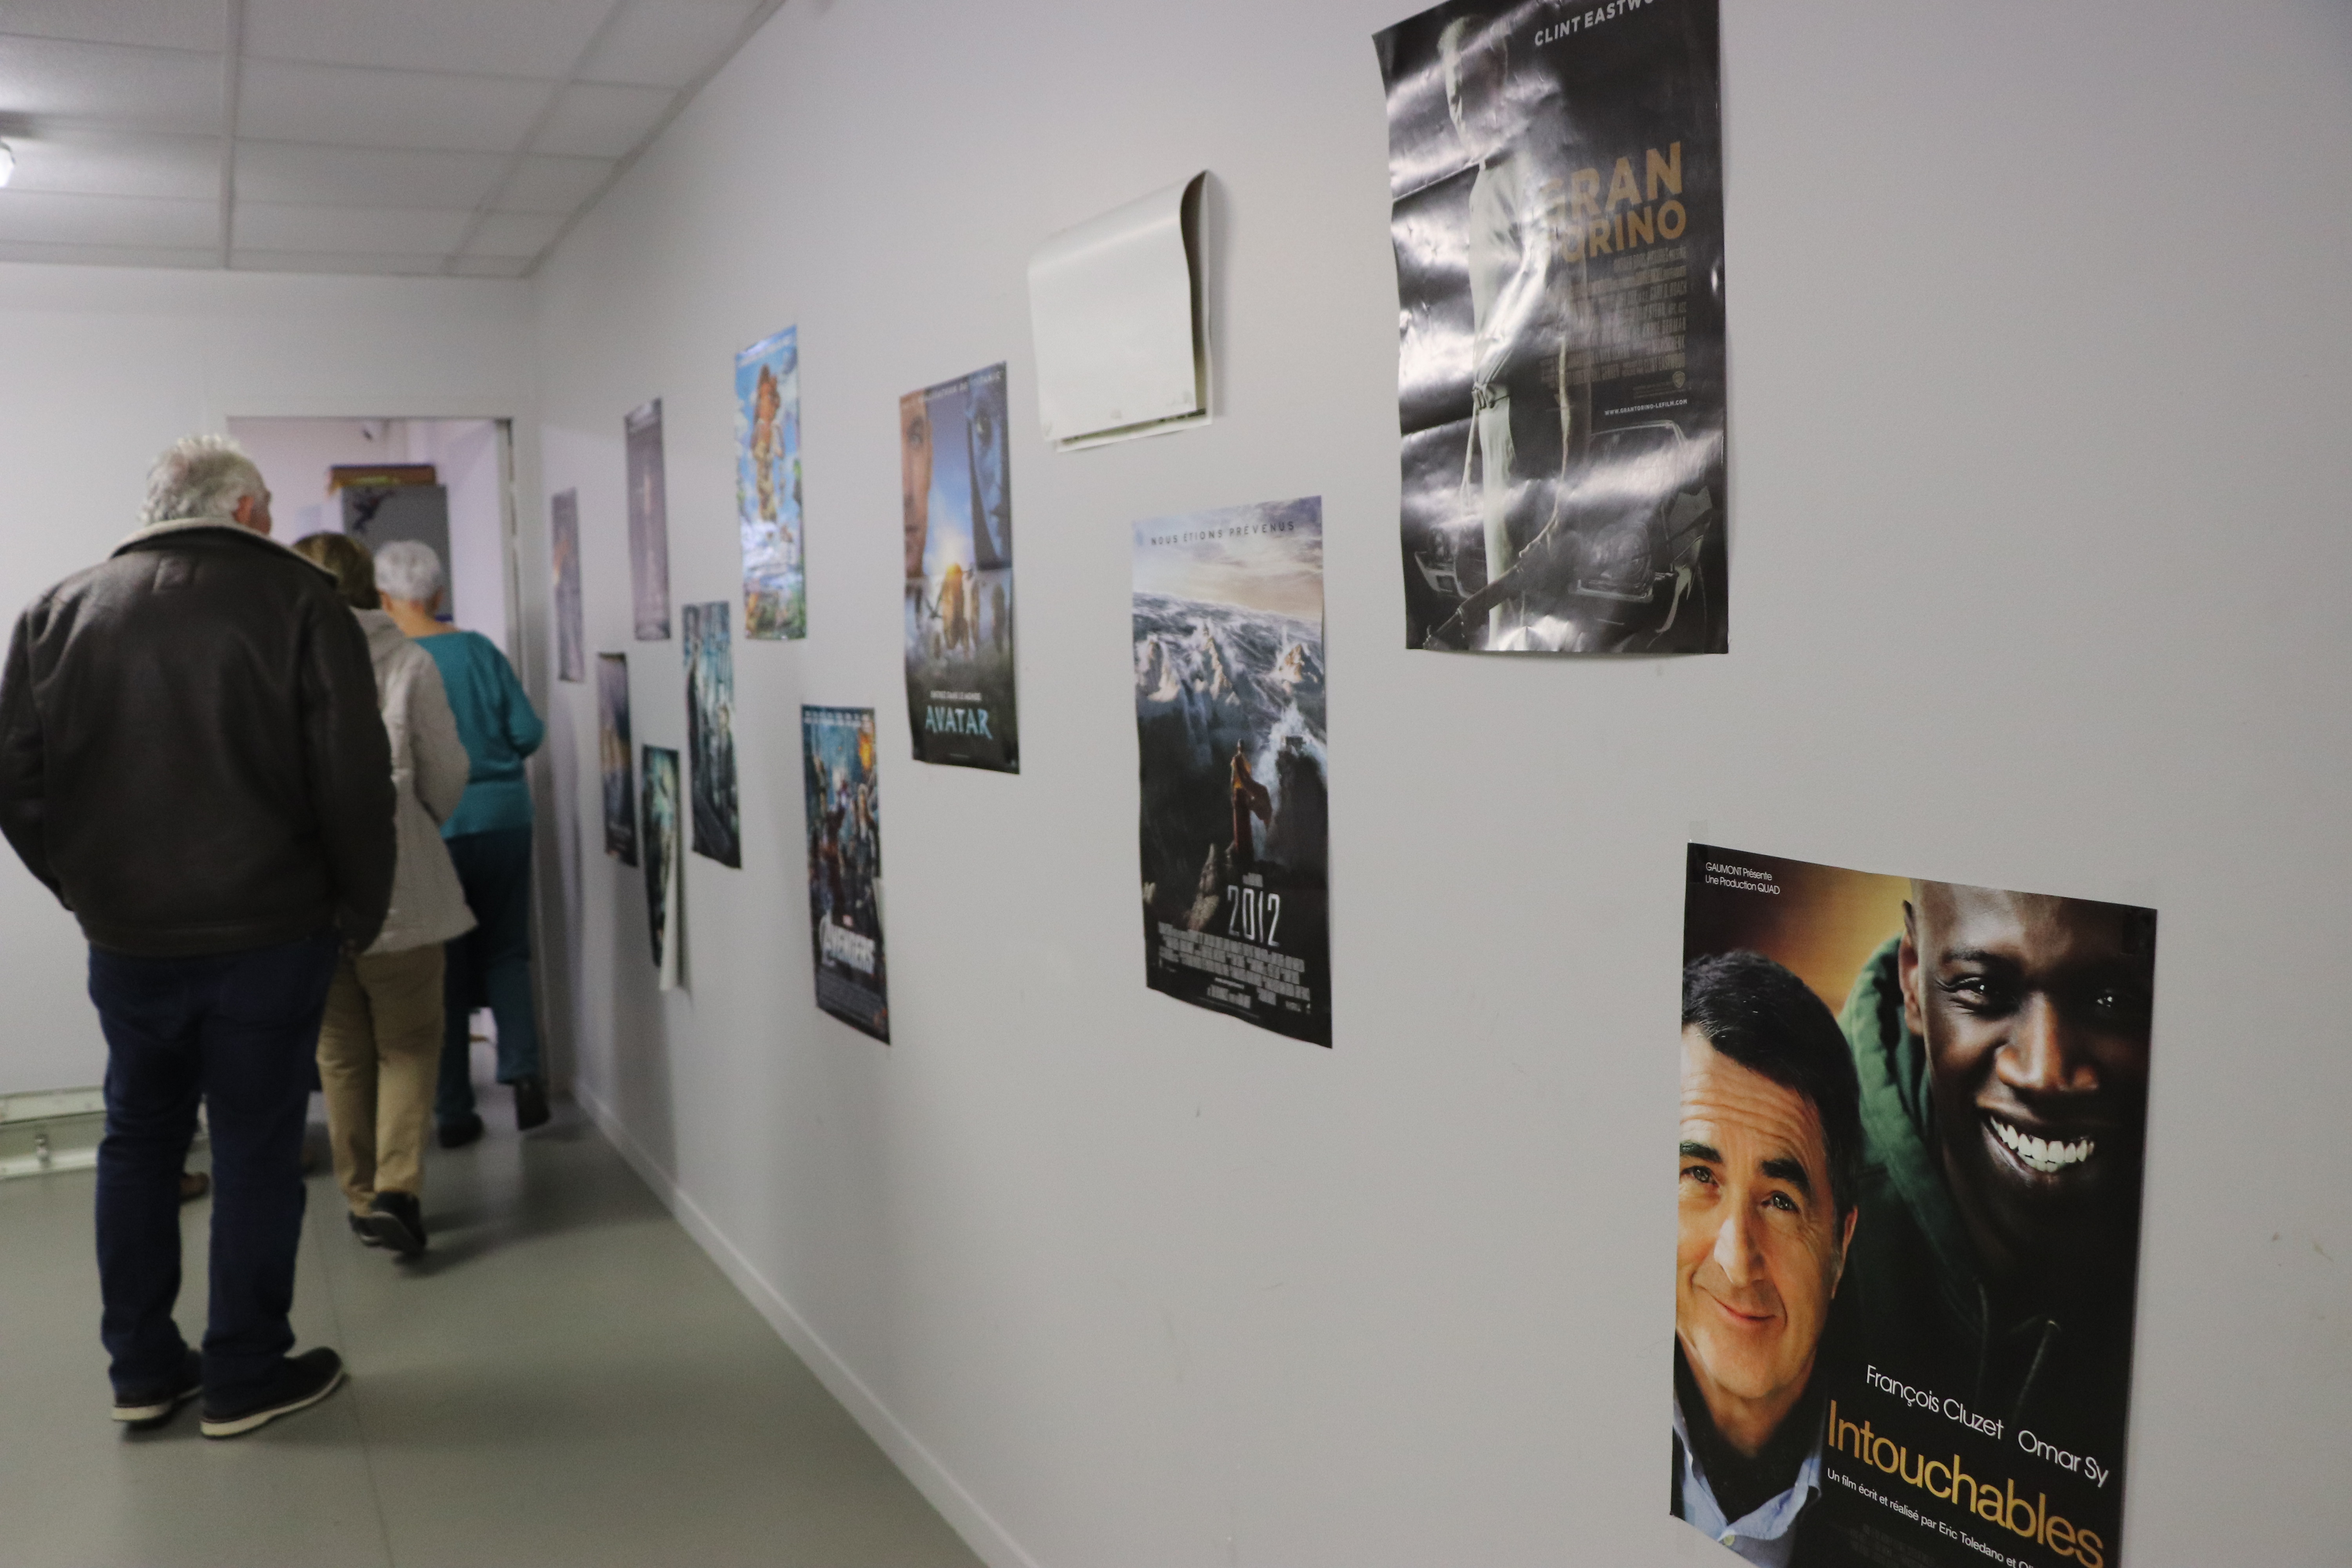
(489, 840)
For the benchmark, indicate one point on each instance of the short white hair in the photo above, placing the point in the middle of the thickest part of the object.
(200, 475)
(408, 569)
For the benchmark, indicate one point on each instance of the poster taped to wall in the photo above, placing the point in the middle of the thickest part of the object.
(564, 538)
(710, 732)
(844, 860)
(616, 761)
(648, 524)
(1557, 206)
(1912, 1136)
(664, 855)
(957, 498)
(1229, 721)
(768, 486)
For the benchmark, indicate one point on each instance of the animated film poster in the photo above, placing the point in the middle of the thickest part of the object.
(665, 855)
(564, 538)
(768, 486)
(958, 501)
(1556, 180)
(1230, 732)
(844, 856)
(710, 732)
(1912, 1127)
(614, 757)
(649, 523)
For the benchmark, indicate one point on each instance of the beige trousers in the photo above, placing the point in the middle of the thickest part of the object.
(379, 1056)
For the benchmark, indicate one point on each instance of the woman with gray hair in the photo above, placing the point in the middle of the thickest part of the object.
(489, 840)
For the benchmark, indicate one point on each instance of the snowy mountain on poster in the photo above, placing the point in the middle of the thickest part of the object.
(1230, 674)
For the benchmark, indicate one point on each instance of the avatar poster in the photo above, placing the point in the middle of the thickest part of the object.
(1230, 732)
(614, 757)
(649, 523)
(664, 857)
(957, 497)
(710, 732)
(768, 486)
(1556, 182)
(563, 534)
(1912, 1133)
(845, 857)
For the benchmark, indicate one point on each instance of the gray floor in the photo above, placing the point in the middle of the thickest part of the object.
(564, 1378)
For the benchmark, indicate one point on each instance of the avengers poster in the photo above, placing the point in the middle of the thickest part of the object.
(664, 857)
(845, 858)
(768, 486)
(563, 537)
(710, 731)
(1229, 726)
(956, 496)
(1556, 180)
(1912, 1134)
(614, 758)
(649, 523)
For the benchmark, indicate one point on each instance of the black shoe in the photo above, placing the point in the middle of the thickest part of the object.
(394, 1220)
(457, 1134)
(152, 1407)
(303, 1380)
(360, 1228)
(530, 1102)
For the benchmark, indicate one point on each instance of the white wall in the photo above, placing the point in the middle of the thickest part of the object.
(100, 368)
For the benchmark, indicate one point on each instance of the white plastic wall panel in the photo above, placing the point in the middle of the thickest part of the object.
(1111, 309)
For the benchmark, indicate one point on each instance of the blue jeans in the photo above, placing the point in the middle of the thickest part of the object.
(489, 966)
(238, 1031)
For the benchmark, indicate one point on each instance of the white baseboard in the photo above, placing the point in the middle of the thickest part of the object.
(957, 1506)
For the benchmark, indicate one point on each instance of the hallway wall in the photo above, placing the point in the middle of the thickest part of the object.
(100, 368)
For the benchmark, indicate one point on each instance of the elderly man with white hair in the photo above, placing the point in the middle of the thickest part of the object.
(192, 759)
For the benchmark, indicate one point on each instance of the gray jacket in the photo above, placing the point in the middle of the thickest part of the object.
(428, 770)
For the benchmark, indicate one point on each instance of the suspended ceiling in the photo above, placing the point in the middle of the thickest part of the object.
(456, 137)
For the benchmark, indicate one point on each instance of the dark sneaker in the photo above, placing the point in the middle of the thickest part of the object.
(457, 1134)
(302, 1380)
(360, 1228)
(394, 1220)
(154, 1406)
(530, 1103)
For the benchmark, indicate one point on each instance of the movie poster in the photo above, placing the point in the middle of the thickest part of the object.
(1913, 1124)
(563, 535)
(1229, 726)
(1556, 180)
(710, 732)
(768, 486)
(614, 757)
(649, 523)
(664, 860)
(844, 856)
(956, 490)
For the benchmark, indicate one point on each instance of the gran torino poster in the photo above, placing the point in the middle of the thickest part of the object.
(1912, 1134)
(768, 486)
(649, 523)
(564, 544)
(1228, 609)
(842, 806)
(956, 500)
(1556, 180)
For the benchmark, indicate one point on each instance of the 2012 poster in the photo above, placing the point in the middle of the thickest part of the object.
(845, 859)
(563, 540)
(768, 486)
(664, 860)
(1913, 1132)
(616, 761)
(649, 523)
(1556, 182)
(1229, 718)
(956, 500)
(710, 731)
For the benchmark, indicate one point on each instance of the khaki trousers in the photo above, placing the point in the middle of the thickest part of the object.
(379, 1052)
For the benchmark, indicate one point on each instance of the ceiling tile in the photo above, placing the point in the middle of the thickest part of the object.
(490, 266)
(346, 107)
(553, 184)
(118, 164)
(603, 120)
(511, 38)
(162, 24)
(110, 255)
(263, 225)
(515, 234)
(139, 89)
(378, 263)
(667, 43)
(355, 176)
(61, 219)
